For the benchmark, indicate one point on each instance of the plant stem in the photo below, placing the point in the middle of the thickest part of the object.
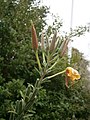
(44, 61)
(38, 61)
(49, 77)
(53, 65)
(31, 100)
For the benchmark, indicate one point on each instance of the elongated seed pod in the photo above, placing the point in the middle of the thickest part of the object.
(42, 41)
(34, 37)
(64, 47)
(52, 46)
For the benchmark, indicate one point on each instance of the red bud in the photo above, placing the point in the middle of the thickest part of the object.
(34, 37)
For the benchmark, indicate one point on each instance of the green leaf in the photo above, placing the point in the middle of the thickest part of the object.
(27, 116)
(22, 95)
(12, 112)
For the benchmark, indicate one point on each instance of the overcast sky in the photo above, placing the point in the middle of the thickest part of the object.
(81, 16)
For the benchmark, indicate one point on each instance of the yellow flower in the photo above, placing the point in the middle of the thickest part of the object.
(72, 74)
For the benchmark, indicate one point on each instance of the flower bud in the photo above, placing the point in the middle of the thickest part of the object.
(52, 46)
(42, 41)
(64, 48)
(34, 37)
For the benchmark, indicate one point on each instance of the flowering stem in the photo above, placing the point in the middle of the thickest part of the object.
(38, 61)
(31, 99)
(49, 77)
(53, 65)
(44, 61)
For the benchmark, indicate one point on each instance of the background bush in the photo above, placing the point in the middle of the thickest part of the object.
(17, 66)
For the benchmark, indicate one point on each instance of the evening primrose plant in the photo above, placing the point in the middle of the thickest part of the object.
(51, 52)
(51, 57)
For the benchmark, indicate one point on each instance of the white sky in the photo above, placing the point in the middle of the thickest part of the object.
(81, 16)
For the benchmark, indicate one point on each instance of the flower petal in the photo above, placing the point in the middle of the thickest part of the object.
(72, 73)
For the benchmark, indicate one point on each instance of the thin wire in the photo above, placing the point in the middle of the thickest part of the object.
(72, 6)
(71, 24)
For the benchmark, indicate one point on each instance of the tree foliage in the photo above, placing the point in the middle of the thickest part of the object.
(17, 61)
(17, 66)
